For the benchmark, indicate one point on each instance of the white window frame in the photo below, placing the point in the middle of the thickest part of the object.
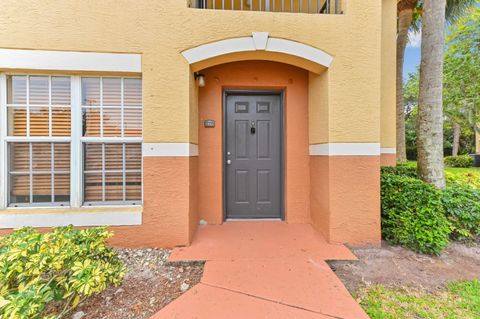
(76, 141)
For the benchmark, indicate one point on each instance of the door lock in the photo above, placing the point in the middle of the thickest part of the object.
(252, 127)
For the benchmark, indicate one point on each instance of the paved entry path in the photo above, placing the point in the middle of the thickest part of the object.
(262, 270)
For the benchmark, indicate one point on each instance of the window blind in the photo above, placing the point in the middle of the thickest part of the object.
(112, 107)
(39, 172)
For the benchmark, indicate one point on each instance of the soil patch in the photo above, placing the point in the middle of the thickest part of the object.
(149, 285)
(396, 266)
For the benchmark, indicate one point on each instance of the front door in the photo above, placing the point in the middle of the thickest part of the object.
(253, 156)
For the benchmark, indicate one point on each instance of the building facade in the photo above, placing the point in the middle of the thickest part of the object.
(155, 116)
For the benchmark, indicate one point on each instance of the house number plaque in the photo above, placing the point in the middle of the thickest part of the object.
(209, 123)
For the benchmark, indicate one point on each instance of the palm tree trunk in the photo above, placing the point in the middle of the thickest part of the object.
(430, 109)
(456, 139)
(405, 17)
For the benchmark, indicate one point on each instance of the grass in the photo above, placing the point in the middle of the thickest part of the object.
(460, 171)
(459, 300)
(453, 170)
(467, 176)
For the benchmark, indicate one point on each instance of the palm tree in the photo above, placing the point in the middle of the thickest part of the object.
(409, 15)
(405, 10)
(429, 125)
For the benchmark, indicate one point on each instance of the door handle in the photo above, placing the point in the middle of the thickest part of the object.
(229, 162)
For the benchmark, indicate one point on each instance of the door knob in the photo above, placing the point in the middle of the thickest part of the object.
(229, 162)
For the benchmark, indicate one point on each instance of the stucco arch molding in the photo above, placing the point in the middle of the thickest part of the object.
(260, 45)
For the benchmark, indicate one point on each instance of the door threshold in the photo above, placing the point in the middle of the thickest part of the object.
(253, 219)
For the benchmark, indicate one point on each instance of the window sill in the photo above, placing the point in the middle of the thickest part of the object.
(63, 216)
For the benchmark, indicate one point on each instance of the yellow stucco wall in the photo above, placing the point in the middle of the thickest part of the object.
(389, 32)
(318, 113)
(160, 30)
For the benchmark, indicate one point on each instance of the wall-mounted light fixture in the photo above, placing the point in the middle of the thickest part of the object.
(200, 78)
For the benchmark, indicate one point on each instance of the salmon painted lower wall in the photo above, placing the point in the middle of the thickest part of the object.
(169, 214)
(345, 198)
(169, 206)
(388, 160)
(255, 75)
(319, 194)
(193, 201)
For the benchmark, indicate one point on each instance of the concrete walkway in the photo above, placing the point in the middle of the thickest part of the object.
(263, 270)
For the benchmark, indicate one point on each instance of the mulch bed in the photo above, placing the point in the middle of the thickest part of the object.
(149, 285)
(396, 266)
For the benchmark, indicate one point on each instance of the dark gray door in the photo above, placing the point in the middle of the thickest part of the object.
(253, 156)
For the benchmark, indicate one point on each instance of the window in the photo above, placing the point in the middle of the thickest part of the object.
(38, 117)
(112, 109)
(51, 121)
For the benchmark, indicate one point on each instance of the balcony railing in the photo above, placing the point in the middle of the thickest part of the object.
(293, 6)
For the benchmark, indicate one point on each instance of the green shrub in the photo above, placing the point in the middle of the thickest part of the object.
(459, 161)
(62, 267)
(413, 214)
(401, 170)
(462, 208)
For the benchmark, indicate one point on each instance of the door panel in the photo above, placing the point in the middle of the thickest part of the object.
(253, 154)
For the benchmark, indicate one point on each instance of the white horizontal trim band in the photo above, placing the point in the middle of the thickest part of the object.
(64, 219)
(169, 149)
(388, 150)
(345, 149)
(259, 41)
(70, 61)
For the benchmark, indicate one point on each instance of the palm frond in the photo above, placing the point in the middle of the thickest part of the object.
(457, 8)
(417, 18)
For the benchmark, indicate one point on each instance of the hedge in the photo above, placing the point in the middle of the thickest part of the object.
(413, 215)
